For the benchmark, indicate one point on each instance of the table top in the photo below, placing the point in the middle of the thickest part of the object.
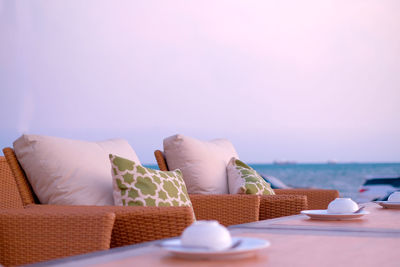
(373, 240)
(290, 250)
(380, 222)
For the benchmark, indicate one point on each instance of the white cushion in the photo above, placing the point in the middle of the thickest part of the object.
(70, 172)
(203, 164)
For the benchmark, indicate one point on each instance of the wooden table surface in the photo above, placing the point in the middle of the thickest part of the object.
(373, 240)
(380, 222)
(291, 250)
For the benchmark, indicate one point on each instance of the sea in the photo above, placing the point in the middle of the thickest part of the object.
(347, 178)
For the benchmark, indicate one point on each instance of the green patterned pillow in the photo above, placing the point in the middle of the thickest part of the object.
(135, 185)
(242, 179)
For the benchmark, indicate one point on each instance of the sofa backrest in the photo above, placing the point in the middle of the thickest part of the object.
(160, 158)
(25, 191)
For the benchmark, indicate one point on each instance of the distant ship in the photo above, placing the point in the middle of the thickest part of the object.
(332, 161)
(284, 162)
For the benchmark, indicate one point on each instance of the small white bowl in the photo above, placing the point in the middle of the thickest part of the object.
(342, 205)
(206, 234)
(394, 197)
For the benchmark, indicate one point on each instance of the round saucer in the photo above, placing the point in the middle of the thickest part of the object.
(388, 205)
(247, 248)
(324, 215)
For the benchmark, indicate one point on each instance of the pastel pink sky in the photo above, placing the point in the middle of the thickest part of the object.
(297, 80)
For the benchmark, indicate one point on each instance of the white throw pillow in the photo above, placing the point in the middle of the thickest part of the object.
(70, 172)
(203, 164)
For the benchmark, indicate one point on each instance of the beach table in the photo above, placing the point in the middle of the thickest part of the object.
(372, 240)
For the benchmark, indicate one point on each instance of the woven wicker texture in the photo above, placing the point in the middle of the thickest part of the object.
(25, 189)
(281, 205)
(9, 194)
(29, 235)
(317, 199)
(140, 224)
(227, 209)
(136, 224)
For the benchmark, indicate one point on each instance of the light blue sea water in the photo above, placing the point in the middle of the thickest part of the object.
(347, 178)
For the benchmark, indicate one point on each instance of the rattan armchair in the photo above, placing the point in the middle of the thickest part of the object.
(285, 202)
(32, 232)
(270, 206)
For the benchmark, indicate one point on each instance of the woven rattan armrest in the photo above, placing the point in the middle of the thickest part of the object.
(138, 224)
(227, 209)
(275, 206)
(141, 224)
(317, 198)
(33, 235)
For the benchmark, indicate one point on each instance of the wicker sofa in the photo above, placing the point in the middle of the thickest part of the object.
(31, 232)
(285, 202)
(21, 214)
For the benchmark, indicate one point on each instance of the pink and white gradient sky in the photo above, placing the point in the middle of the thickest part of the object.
(298, 80)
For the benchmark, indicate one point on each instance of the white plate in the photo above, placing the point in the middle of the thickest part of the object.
(324, 215)
(388, 205)
(247, 248)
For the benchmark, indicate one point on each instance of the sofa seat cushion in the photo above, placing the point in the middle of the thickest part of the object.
(70, 172)
(243, 179)
(136, 185)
